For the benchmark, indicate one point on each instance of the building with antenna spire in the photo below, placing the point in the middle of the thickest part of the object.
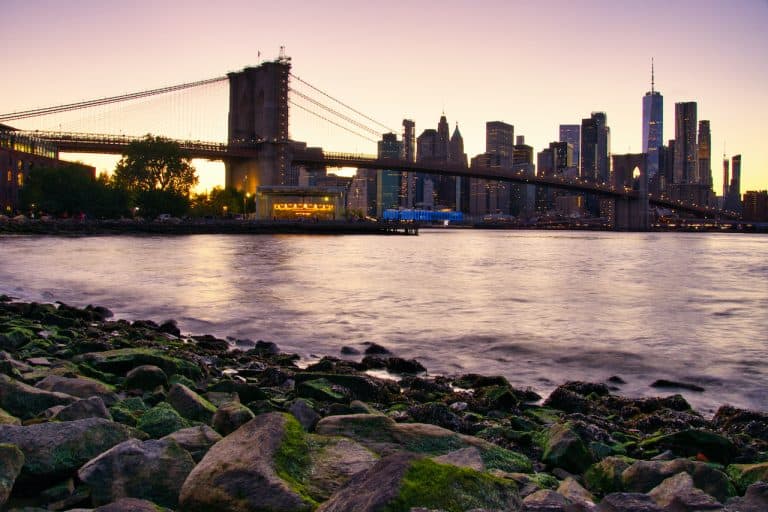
(653, 133)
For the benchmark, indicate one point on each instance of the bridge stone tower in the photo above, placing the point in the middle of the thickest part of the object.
(631, 214)
(258, 116)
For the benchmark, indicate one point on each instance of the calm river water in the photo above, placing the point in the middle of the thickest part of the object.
(538, 307)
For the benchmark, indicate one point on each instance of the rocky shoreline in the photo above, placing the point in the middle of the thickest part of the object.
(110, 415)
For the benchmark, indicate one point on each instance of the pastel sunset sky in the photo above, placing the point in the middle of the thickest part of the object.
(532, 64)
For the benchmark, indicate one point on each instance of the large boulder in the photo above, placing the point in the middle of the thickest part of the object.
(92, 407)
(628, 502)
(545, 500)
(605, 477)
(334, 461)
(154, 470)
(11, 462)
(678, 493)
(754, 500)
(80, 387)
(257, 467)
(189, 404)
(644, 475)
(565, 449)
(25, 401)
(161, 420)
(694, 443)
(196, 440)
(55, 450)
(405, 481)
(121, 361)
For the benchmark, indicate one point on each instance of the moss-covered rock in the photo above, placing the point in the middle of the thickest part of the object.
(161, 420)
(13, 338)
(80, 387)
(260, 466)
(8, 419)
(565, 449)
(744, 475)
(121, 361)
(129, 410)
(25, 401)
(323, 390)
(692, 443)
(644, 475)
(361, 387)
(231, 416)
(189, 404)
(145, 377)
(11, 462)
(604, 477)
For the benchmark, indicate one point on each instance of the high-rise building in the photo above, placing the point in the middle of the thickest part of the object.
(571, 133)
(595, 148)
(685, 171)
(653, 127)
(388, 181)
(704, 155)
(443, 139)
(499, 140)
(725, 176)
(733, 199)
(756, 205)
(603, 147)
(409, 140)
(456, 154)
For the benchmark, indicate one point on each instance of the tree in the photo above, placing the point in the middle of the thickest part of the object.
(155, 163)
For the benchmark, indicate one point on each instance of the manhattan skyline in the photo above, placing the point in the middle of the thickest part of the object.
(486, 62)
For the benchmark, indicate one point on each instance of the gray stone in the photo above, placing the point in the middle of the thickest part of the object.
(466, 457)
(80, 387)
(628, 502)
(129, 505)
(545, 500)
(238, 473)
(153, 470)
(55, 450)
(189, 404)
(92, 407)
(11, 462)
(304, 413)
(231, 416)
(196, 440)
(643, 475)
(565, 449)
(679, 494)
(576, 494)
(754, 500)
(25, 402)
(335, 464)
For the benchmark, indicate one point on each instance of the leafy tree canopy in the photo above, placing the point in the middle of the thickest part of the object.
(155, 163)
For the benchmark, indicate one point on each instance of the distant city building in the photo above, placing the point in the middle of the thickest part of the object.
(388, 186)
(704, 155)
(733, 198)
(571, 133)
(653, 128)
(756, 205)
(685, 170)
(595, 148)
(499, 140)
(725, 177)
(408, 181)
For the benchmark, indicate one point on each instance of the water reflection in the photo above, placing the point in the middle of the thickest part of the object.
(537, 307)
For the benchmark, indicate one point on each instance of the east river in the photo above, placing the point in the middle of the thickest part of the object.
(537, 307)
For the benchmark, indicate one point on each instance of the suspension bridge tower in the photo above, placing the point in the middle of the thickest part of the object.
(258, 117)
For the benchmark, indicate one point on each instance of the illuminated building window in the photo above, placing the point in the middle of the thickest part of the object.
(10, 176)
(20, 179)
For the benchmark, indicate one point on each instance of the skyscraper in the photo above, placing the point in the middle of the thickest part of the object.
(685, 143)
(653, 127)
(588, 150)
(704, 155)
(500, 141)
(408, 181)
(388, 181)
(571, 133)
(725, 176)
(603, 147)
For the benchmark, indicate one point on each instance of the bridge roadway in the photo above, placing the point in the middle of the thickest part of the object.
(117, 144)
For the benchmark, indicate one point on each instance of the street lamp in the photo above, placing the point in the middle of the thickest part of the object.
(245, 205)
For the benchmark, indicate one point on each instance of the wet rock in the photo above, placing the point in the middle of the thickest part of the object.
(671, 384)
(99, 313)
(323, 390)
(195, 440)
(401, 366)
(24, 401)
(403, 481)
(375, 349)
(628, 502)
(545, 500)
(211, 343)
(170, 327)
(576, 494)
(153, 470)
(121, 361)
(349, 351)
(231, 416)
(15, 338)
(161, 420)
(754, 500)
(92, 407)
(247, 391)
(130, 505)
(266, 347)
(742, 421)
(567, 400)
(605, 477)
(565, 449)
(437, 414)
(691, 443)
(615, 379)
(55, 450)
(241, 473)
(189, 404)
(80, 387)
(146, 377)
(361, 387)
(643, 475)
(304, 413)
(11, 462)
(679, 494)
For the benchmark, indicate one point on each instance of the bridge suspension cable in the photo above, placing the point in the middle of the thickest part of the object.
(388, 129)
(336, 113)
(26, 114)
(346, 128)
